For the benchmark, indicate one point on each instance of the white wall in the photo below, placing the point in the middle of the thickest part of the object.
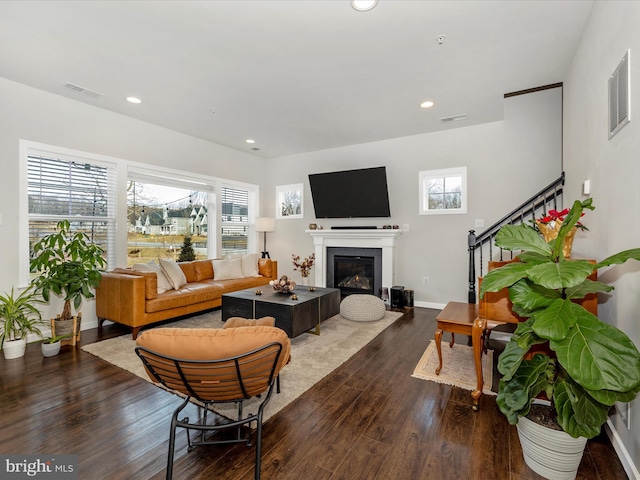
(613, 166)
(30, 114)
(507, 162)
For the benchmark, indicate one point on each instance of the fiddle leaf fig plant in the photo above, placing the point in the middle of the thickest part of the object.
(588, 365)
(68, 264)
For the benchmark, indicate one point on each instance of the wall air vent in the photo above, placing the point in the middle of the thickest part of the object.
(454, 118)
(83, 91)
(619, 96)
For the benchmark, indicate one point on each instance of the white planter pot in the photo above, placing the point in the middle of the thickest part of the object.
(14, 348)
(554, 454)
(51, 349)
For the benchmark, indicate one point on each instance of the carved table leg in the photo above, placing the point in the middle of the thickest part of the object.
(479, 326)
(439, 347)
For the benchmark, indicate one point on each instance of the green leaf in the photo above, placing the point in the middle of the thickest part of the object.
(515, 396)
(620, 258)
(554, 322)
(579, 414)
(587, 287)
(529, 297)
(597, 355)
(563, 274)
(522, 237)
(502, 277)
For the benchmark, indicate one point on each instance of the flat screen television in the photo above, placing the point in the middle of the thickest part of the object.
(358, 193)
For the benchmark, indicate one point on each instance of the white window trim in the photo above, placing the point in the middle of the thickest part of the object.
(122, 169)
(27, 148)
(442, 173)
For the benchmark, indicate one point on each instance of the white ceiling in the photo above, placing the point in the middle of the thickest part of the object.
(296, 75)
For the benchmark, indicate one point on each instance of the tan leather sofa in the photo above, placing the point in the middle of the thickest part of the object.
(131, 298)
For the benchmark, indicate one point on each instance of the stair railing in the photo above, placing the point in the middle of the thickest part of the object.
(482, 245)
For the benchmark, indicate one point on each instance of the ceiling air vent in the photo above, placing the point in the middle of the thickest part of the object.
(454, 118)
(255, 149)
(619, 98)
(83, 91)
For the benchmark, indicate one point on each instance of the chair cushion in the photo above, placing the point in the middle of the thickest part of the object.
(362, 308)
(213, 343)
(235, 322)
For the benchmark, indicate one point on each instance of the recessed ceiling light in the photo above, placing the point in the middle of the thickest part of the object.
(363, 5)
(250, 140)
(133, 100)
(427, 104)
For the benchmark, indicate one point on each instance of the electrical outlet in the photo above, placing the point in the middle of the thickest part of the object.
(425, 280)
(479, 222)
(405, 227)
(624, 411)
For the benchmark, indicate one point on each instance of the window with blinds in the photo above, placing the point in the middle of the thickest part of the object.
(80, 191)
(236, 229)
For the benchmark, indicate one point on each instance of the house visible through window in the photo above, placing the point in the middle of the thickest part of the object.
(65, 186)
(160, 216)
(443, 191)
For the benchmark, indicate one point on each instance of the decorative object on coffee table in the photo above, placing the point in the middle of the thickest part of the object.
(303, 266)
(362, 308)
(283, 285)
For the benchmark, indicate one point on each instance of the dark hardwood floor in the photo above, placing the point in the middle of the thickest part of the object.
(368, 419)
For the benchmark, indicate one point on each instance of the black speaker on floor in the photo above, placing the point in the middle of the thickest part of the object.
(397, 297)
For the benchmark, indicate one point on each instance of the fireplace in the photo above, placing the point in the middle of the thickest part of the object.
(383, 240)
(354, 270)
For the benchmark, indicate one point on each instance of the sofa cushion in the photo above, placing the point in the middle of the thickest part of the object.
(162, 282)
(173, 272)
(189, 294)
(265, 267)
(150, 281)
(227, 269)
(249, 264)
(235, 322)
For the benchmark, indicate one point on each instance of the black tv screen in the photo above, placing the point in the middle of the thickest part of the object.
(359, 193)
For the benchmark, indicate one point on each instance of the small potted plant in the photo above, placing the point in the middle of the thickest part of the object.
(18, 318)
(69, 265)
(588, 365)
(51, 345)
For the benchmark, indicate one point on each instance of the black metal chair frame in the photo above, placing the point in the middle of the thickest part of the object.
(213, 382)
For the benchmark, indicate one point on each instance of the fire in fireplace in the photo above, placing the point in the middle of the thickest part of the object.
(354, 270)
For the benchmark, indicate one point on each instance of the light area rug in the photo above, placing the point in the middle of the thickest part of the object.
(458, 367)
(312, 356)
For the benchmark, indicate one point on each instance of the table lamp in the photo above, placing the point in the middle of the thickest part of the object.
(265, 224)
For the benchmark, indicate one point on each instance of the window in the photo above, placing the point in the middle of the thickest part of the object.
(67, 185)
(237, 219)
(443, 191)
(162, 210)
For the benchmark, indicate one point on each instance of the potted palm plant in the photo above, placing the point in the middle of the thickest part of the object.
(68, 265)
(18, 318)
(588, 365)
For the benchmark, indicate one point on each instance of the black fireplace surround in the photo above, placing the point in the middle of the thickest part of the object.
(354, 270)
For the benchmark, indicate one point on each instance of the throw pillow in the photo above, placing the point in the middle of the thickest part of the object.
(163, 282)
(249, 264)
(174, 273)
(265, 268)
(227, 269)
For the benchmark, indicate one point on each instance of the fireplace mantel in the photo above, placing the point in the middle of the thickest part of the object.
(384, 239)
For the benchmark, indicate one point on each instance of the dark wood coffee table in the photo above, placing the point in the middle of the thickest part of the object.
(293, 316)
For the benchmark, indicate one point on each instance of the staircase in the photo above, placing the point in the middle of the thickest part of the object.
(482, 248)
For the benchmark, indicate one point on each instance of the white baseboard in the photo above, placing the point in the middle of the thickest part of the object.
(437, 306)
(623, 454)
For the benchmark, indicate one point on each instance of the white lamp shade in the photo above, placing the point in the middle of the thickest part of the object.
(265, 224)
